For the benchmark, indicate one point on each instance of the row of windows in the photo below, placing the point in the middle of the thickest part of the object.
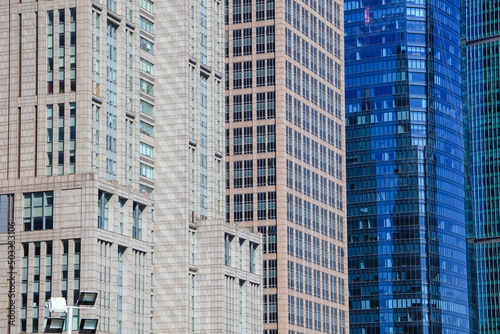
(310, 88)
(299, 245)
(299, 211)
(265, 106)
(311, 26)
(231, 244)
(242, 41)
(330, 11)
(243, 206)
(309, 151)
(243, 140)
(242, 13)
(37, 258)
(323, 190)
(309, 119)
(305, 313)
(136, 213)
(243, 173)
(243, 74)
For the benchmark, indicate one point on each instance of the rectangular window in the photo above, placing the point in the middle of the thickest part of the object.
(146, 171)
(103, 205)
(146, 25)
(147, 87)
(146, 129)
(147, 5)
(146, 150)
(237, 75)
(146, 66)
(6, 213)
(248, 173)
(247, 41)
(72, 137)
(146, 45)
(146, 108)
(260, 41)
(248, 140)
(38, 211)
(137, 221)
(247, 74)
(237, 174)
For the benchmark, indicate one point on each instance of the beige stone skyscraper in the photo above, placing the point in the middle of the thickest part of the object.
(111, 169)
(285, 166)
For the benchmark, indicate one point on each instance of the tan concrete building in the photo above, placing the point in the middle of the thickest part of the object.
(111, 169)
(285, 167)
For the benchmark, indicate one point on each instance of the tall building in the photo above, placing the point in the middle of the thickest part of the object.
(483, 52)
(406, 179)
(285, 155)
(111, 169)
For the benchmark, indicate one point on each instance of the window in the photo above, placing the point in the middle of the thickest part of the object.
(237, 75)
(6, 213)
(247, 74)
(112, 5)
(237, 141)
(236, 11)
(147, 5)
(137, 217)
(248, 173)
(247, 107)
(147, 87)
(103, 204)
(237, 174)
(146, 171)
(227, 257)
(146, 25)
(247, 41)
(270, 38)
(38, 211)
(236, 43)
(248, 207)
(147, 129)
(252, 247)
(237, 108)
(147, 67)
(260, 40)
(248, 141)
(271, 111)
(146, 108)
(247, 10)
(270, 75)
(146, 45)
(261, 105)
(146, 150)
(238, 207)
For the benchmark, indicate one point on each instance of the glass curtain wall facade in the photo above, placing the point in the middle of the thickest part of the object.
(405, 168)
(483, 52)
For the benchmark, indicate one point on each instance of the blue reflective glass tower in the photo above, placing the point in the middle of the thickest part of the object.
(483, 78)
(406, 176)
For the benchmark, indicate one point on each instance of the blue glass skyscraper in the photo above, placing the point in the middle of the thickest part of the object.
(483, 78)
(407, 218)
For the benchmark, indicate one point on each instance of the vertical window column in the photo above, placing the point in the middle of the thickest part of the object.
(203, 145)
(72, 50)
(62, 60)
(50, 140)
(111, 102)
(72, 138)
(50, 52)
